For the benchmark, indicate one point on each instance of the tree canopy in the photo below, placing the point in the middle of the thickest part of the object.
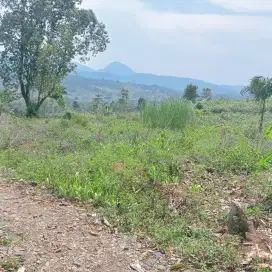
(40, 40)
(190, 92)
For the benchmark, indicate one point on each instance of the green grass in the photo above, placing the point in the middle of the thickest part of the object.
(173, 114)
(128, 169)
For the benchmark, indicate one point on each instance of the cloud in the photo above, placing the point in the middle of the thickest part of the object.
(214, 47)
(195, 23)
(264, 6)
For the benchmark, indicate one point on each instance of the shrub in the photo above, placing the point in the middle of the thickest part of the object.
(199, 106)
(173, 114)
(67, 115)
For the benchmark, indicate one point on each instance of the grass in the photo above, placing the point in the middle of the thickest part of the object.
(170, 185)
(5, 241)
(173, 114)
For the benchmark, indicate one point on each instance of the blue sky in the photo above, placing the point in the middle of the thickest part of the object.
(221, 41)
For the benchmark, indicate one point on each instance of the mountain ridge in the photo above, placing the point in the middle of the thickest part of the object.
(117, 71)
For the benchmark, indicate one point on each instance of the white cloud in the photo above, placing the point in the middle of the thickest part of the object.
(219, 48)
(257, 26)
(245, 5)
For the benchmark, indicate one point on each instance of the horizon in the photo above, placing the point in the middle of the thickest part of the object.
(219, 41)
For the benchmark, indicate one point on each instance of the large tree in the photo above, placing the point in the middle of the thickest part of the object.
(190, 92)
(40, 41)
(261, 89)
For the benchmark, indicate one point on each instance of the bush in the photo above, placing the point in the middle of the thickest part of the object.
(199, 106)
(67, 115)
(173, 114)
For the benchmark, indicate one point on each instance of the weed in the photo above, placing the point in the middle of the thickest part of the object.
(5, 241)
(11, 263)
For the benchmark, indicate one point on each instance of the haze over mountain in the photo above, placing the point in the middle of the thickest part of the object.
(85, 83)
(120, 73)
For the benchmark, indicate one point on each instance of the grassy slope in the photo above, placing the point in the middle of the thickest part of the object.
(156, 183)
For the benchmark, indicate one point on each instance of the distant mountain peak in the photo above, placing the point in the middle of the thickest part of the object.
(117, 68)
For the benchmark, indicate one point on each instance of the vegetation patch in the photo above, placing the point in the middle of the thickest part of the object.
(171, 185)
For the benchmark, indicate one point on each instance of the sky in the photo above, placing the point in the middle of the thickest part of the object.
(221, 41)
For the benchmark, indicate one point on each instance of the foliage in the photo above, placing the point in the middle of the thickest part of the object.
(97, 104)
(123, 98)
(6, 97)
(76, 105)
(190, 92)
(134, 173)
(261, 89)
(267, 135)
(141, 103)
(40, 40)
(206, 94)
(199, 106)
(174, 114)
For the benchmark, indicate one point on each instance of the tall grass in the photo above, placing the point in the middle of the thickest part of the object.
(173, 114)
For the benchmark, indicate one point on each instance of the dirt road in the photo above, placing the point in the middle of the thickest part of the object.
(49, 234)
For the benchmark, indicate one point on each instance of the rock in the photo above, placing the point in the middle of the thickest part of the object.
(21, 269)
(146, 255)
(161, 268)
(94, 233)
(237, 221)
(158, 255)
(19, 254)
(137, 267)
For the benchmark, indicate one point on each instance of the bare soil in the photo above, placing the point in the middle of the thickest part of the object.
(49, 234)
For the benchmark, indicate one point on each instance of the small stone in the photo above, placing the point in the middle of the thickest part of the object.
(125, 247)
(137, 267)
(157, 255)
(77, 264)
(161, 268)
(94, 233)
(19, 254)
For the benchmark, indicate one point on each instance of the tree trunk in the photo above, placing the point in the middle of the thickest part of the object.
(262, 117)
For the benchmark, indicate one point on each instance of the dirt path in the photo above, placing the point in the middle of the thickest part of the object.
(54, 235)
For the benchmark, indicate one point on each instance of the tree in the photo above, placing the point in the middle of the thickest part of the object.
(207, 94)
(6, 97)
(141, 103)
(40, 39)
(190, 92)
(97, 103)
(261, 89)
(123, 98)
(76, 105)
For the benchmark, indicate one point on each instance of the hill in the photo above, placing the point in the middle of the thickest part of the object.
(115, 75)
(84, 83)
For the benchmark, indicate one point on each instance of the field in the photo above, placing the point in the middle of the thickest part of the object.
(170, 185)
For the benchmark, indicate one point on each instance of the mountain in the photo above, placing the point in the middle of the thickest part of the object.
(118, 69)
(84, 83)
(84, 70)
(84, 89)
(121, 73)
